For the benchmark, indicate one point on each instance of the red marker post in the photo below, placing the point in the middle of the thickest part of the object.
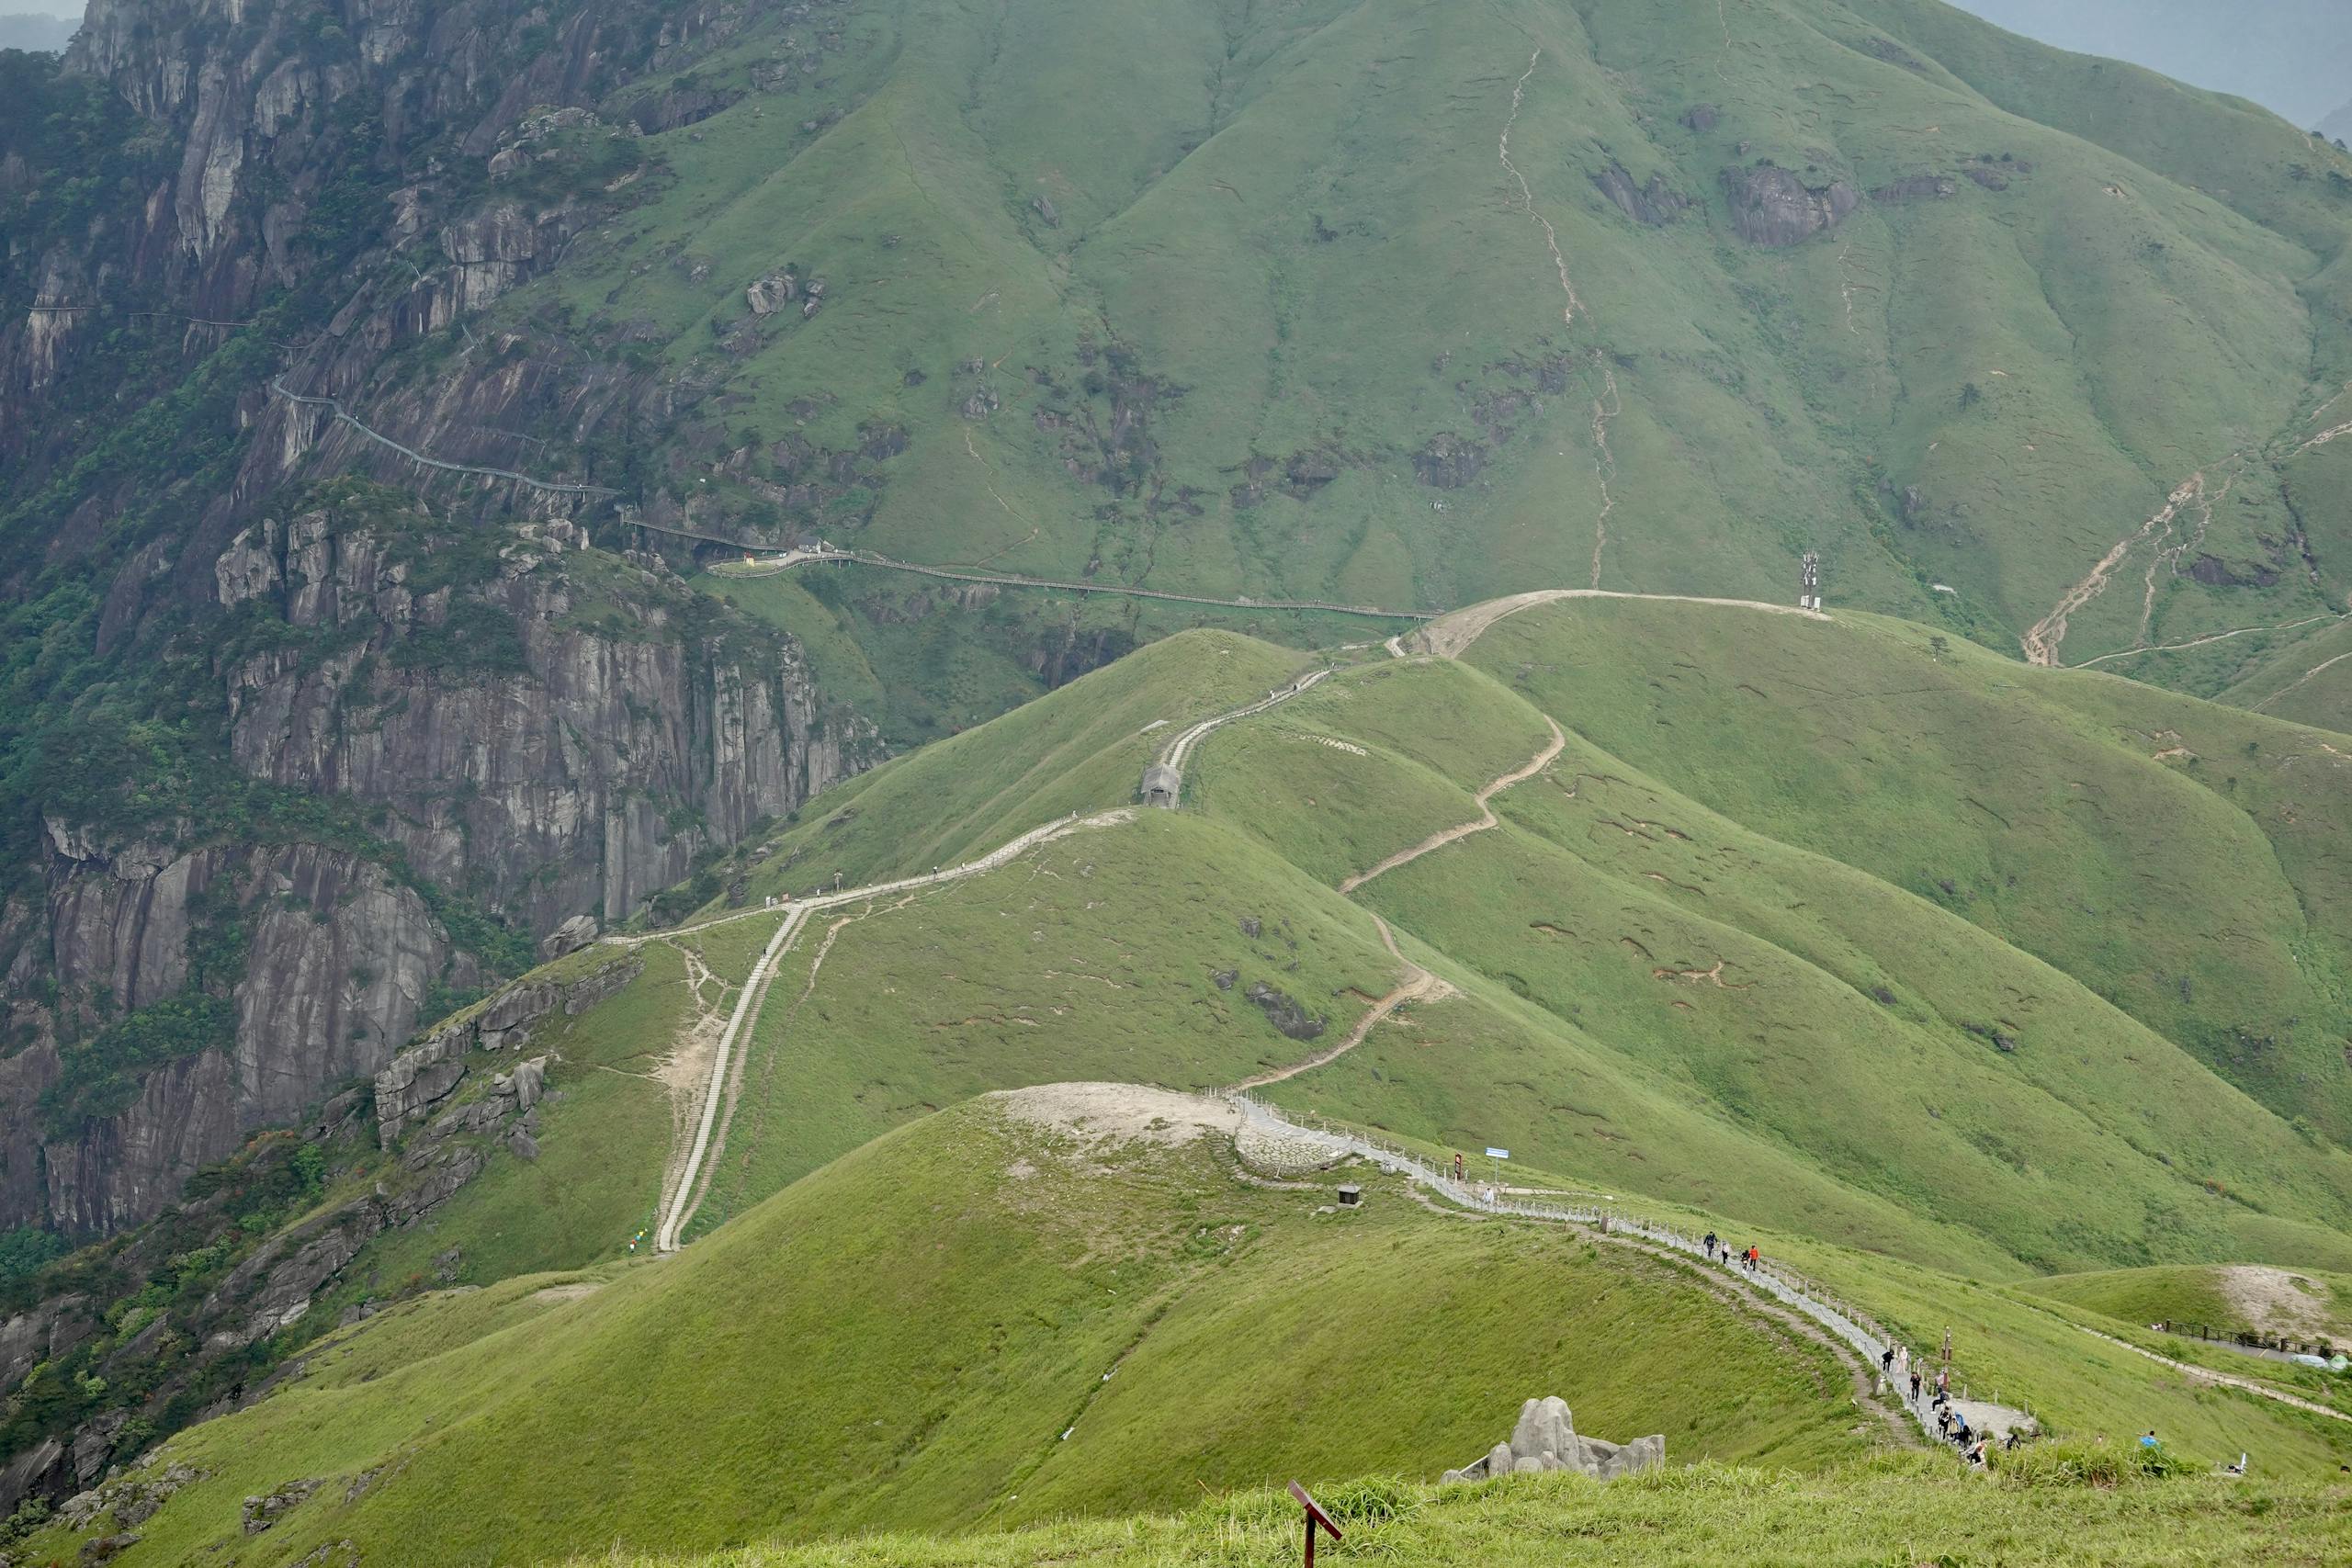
(1314, 1516)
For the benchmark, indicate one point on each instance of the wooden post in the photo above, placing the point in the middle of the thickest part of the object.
(1314, 1516)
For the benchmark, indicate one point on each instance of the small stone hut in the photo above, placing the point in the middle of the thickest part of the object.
(1160, 784)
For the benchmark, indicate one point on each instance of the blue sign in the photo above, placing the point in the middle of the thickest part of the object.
(1498, 1154)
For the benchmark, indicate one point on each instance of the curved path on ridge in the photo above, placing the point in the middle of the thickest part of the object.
(693, 1178)
(1174, 754)
(1848, 1322)
(1450, 636)
(1487, 817)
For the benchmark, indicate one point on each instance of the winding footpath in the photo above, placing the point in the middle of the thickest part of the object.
(1848, 1322)
(1417, 985)
(1487, 817)
(693, 1180)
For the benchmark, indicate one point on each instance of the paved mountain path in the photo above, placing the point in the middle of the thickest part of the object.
(554, 487)
(1450, 636)
(1854, 1328)
(770, 565)
(1487, 817)
(686, 1195)
(1177, 751)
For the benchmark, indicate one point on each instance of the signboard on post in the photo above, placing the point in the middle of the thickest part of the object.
(1498, 1154)
(1314, 1516)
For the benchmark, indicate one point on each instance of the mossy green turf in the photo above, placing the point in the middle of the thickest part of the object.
(1111, 268)
(2031, 1071)
(2183, 860)
(918, 1336)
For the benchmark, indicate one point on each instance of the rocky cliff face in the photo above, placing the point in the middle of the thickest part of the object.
(543, 728)
(351, 759)
(340, 959)
(250, 1250)
(587, 743)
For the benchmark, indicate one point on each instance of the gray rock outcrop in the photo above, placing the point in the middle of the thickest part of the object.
(772, 293)
(422, 1076)
(545, 771)
(340, 956)
(1772, 207)
(1653, 202)
(1545, 1438)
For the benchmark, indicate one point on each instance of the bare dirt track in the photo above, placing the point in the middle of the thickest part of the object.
(1450, 636)
(1487, 817)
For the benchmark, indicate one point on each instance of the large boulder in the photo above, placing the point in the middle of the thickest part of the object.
(1545, 1438)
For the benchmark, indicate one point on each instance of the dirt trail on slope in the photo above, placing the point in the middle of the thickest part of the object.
(1527, 197)
(2324, 437)
(2300, 680)
(690, 1181)
(1417, 985)
(1606, 407)
(1487, 817)
(2221, 1380)
(2041, 639)
(1450, 636)
(2202, 641)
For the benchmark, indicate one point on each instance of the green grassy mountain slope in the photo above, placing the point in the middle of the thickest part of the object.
(1852, 1519)
(1653, 296)
(2181, 860)
(2048, 1056)
(998, 1315)
(1642, 951)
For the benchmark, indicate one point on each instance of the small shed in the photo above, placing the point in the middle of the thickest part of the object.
(1160, 786)
(1350, 1195)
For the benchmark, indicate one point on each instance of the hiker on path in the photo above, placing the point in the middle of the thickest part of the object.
(1457, 1165)
(1943, 1422)
(1902, 1359)
(1886, 1359)
(1976, 1453)
(1754, 1257)
(1943, 1382)
(1915, 1387)
(1711, 1247)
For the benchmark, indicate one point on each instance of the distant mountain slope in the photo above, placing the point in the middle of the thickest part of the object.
(1780, 277)
(1369, 301)
(2337, 125)
(36, 31)
(1899, 850)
